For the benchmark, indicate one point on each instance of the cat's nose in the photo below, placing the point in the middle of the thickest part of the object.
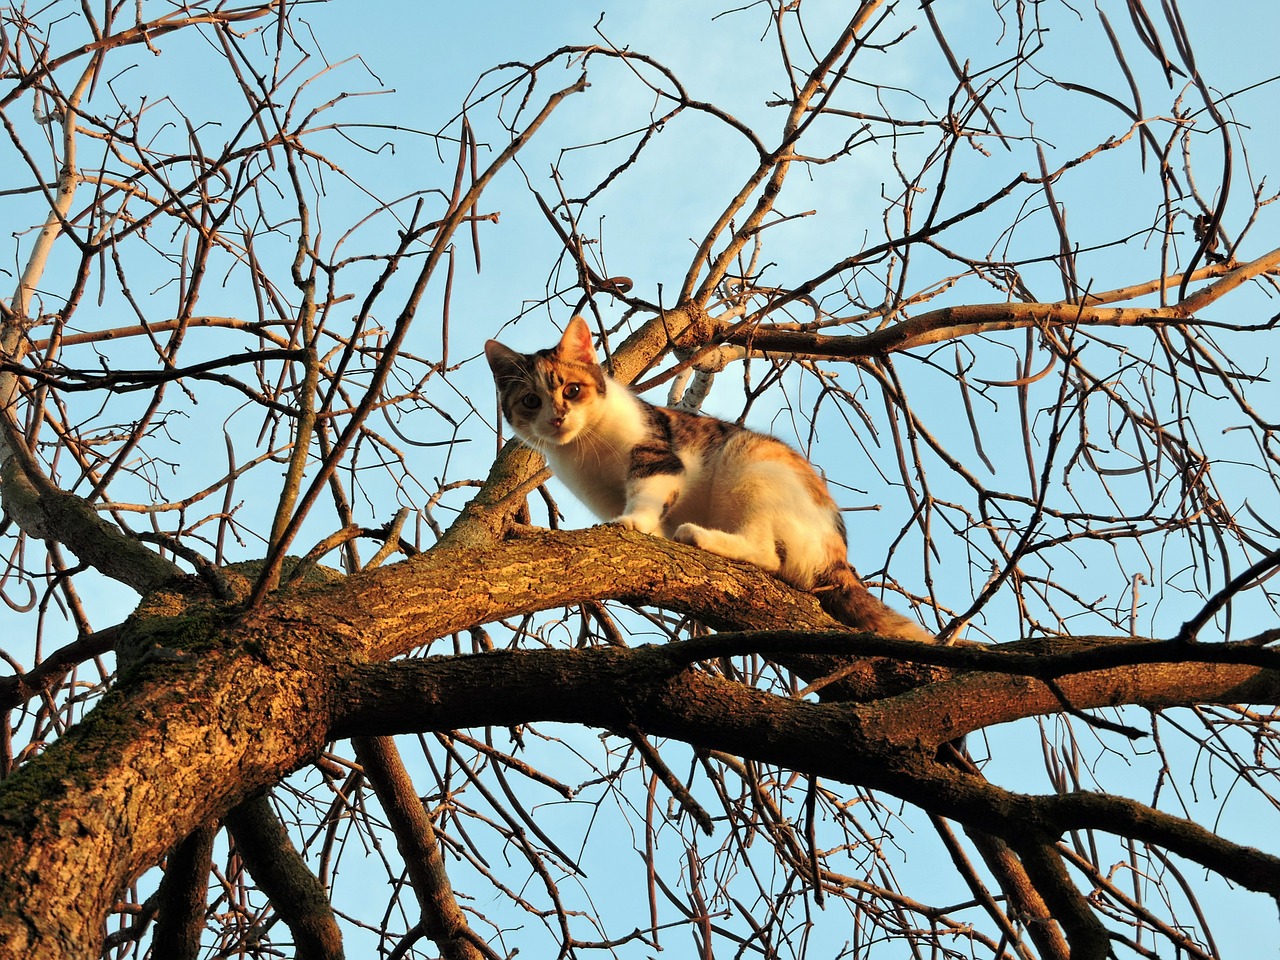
(557, 422)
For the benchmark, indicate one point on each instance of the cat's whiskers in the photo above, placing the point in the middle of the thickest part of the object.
(593, 443)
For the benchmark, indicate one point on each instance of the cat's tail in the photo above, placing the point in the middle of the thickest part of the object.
(844, 597)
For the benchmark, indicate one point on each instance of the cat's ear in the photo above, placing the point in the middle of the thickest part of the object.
(576, 343)
(503, 361)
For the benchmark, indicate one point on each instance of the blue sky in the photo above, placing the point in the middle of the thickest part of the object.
(419, 61)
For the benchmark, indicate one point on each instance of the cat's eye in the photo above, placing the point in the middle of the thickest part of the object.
(531, 401)
(572, 390)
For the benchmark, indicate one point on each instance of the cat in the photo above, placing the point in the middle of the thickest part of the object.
(694, 479)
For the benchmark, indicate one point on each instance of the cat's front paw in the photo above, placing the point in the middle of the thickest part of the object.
(638, 521)
(691, 534)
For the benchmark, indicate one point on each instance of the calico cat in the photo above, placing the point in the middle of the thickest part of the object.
(694, 479)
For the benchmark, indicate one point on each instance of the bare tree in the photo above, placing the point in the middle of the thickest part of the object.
(239, 379)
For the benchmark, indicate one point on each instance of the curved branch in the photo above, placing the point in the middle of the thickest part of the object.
(44, 511)
(949, 323)
(772, 170)
(140, 33)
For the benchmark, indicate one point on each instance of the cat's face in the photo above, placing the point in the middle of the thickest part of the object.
(552, 396)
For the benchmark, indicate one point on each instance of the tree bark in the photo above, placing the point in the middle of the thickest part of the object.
(219, 707)
(183, 897)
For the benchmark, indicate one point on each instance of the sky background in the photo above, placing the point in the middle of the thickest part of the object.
(414, 63)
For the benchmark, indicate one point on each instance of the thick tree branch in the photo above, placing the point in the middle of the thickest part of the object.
(304, 661)
(400, 607)
(652, 689)
(294, 891)
(1022, 898)
(182, 899)
(183, 738)
(1086, 936)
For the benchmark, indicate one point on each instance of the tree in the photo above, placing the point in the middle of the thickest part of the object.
(215, 744)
